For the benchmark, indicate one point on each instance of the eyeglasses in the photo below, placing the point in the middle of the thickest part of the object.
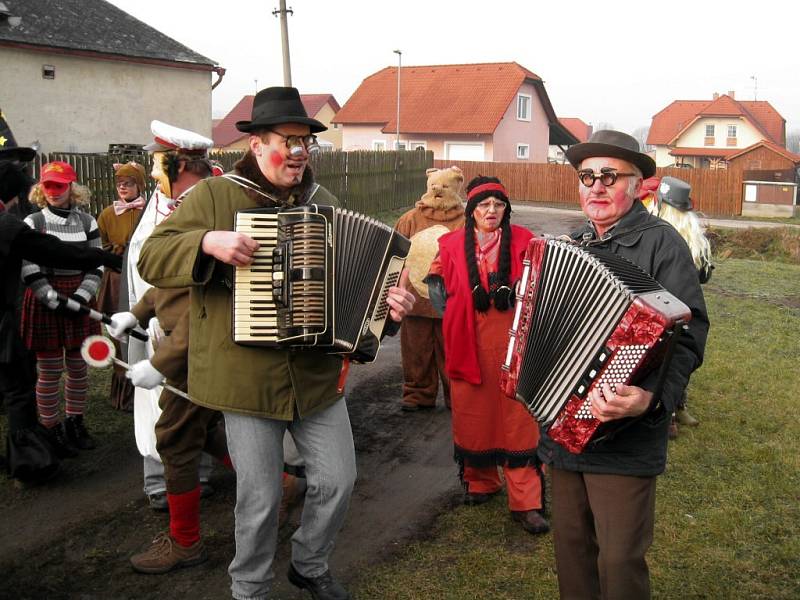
(487, 205)
(296, 143)
(607, 176)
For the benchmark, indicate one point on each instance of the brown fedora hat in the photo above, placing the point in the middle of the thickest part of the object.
(614, 144)
(276, 105)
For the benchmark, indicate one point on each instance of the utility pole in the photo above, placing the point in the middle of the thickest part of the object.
(399, 66)
(287, 69)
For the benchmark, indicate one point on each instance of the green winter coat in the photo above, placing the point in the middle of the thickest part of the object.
(277, 384)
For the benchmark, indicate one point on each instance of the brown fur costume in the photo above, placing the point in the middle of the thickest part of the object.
(421, 333)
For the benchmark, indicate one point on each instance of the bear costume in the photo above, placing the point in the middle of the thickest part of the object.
(439, 211)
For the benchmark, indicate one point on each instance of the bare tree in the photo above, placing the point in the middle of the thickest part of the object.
(602, 125)
(793, 141)
(640, 133)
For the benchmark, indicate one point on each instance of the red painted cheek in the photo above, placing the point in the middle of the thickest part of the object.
(275, 158)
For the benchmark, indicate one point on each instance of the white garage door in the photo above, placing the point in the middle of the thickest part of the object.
(461, 151)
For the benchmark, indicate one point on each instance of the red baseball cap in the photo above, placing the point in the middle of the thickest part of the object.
(59, 172)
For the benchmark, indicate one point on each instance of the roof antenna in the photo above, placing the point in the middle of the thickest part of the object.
(755, 87)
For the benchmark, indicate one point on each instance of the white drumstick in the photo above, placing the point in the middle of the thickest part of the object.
(98, 351)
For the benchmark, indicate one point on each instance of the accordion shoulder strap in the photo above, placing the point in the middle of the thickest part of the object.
(249, 185)
(588, 240)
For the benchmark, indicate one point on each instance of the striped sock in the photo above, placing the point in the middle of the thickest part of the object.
(50, 366)
(77, 383)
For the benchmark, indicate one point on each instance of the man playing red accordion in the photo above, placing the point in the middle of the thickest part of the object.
(604, 497)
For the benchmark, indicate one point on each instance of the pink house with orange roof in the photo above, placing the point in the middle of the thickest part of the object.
(484, 112)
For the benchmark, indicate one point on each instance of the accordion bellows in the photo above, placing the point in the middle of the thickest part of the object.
(584, 317)
(319, 278)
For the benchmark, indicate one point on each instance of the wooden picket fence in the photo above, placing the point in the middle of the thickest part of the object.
(717, 193)
(367, 182)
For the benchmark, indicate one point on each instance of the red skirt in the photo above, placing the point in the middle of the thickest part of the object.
(44, 330)
(488, 427)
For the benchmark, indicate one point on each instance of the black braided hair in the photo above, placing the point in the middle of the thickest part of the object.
(500, 293)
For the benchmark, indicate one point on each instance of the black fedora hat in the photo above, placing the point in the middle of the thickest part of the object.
(614, 144)
(276, 105)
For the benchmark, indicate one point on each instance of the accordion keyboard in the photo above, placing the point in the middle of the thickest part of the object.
(255, 314)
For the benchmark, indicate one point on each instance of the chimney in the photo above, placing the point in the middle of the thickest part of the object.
(715, 96)
(732, 94)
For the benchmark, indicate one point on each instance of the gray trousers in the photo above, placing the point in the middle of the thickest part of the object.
(154, 473)
(325, 443)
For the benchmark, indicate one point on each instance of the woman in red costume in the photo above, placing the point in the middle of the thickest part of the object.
(475, 272)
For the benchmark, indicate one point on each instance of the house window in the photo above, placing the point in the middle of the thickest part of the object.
(523, 151)
(731, 141)
(709, 139)
(335, 125)
(48, 72)
(417, 146)
(399, 145)
(523, 107)
(379, 144)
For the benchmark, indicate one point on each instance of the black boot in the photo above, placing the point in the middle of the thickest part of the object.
(77, 434)
(57, 437)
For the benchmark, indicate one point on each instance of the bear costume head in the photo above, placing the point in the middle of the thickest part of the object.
(443, 188)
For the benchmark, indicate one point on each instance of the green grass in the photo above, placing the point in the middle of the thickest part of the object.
(788, 220)
(779, 244)
(728, 507)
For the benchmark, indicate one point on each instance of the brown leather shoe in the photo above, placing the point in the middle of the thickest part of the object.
(165, 554)
(532, 521)
(476, 498)
(673, 429)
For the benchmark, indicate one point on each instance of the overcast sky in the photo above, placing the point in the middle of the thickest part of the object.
(616, 62)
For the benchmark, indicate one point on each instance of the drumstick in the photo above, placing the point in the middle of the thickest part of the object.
(77, 307)
(99, 351)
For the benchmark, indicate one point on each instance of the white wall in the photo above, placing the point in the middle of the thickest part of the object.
(92, 103)
(694, 137)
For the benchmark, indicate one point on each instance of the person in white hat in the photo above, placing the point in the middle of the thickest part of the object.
(263, 391)
(183, 430)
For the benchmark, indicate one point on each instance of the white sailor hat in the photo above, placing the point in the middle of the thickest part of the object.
(168, 137)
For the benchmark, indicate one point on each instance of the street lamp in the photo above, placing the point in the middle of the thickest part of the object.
(399, 65)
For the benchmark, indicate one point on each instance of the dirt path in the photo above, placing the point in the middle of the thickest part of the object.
(72, 538)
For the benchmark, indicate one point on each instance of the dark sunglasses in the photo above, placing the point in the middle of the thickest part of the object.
(296, 143)
(607, 176)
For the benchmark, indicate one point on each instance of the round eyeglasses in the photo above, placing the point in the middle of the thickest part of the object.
(297, 143)
(607, 177)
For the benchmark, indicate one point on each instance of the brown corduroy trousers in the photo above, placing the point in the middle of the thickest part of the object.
(602, 529)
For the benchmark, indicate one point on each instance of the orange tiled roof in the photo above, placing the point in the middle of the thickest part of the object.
(670, 122)
(795, 158)
(577, 127)
(225, 133)
(716, 152)
(468, 98)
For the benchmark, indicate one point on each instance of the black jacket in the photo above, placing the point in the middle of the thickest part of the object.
(638, 447)
(18, 241)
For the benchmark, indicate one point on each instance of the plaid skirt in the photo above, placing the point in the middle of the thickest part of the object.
(45, 330)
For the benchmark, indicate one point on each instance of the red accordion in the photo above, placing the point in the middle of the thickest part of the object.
(584, 317)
